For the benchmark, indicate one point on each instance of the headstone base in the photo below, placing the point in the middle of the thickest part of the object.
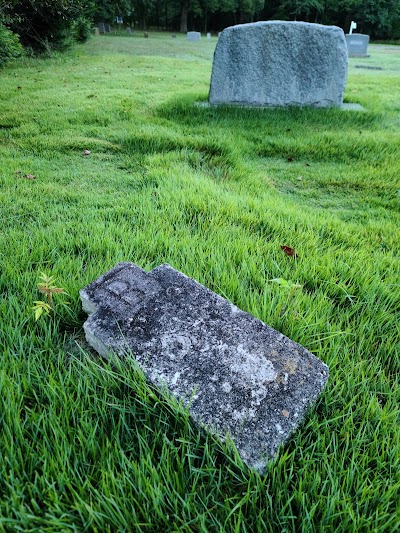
(343, 107)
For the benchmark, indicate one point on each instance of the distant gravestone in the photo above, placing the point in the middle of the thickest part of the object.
(173, 35)
(193, 36)
(236, 375)
(129, 30)
(107, 28)
(357, 44)
(146, 35)
(208, 35)
(101, 27)
(279, 63)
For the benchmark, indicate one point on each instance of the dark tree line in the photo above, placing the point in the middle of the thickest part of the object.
(50, 24)
(379, 18)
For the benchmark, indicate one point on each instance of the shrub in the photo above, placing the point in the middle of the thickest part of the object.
(82, 29)
(10, 47)
(45, 25)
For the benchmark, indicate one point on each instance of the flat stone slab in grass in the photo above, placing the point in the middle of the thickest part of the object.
(369, 67)
(237, 375)
(279, 63)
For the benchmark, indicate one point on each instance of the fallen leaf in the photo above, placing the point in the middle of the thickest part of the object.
(285, 413)
(290, 159)
(308, 165)
(300, 178)
(289, 251)
(86, 152)
(19, 174)
(19, 87)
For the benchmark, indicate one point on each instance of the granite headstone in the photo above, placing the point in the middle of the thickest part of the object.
(278, 63)
(193, 36)
(357, 44)
(237, 375)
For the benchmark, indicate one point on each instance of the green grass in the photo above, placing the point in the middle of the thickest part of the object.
(215, 193)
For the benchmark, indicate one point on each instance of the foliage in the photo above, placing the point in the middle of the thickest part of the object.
(377, 17)
(10, 47)
(47, 287)
(46, 24)
(81, 29)
(107, 10)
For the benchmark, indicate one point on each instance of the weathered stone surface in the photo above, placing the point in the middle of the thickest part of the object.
(237, 375)
(193, 36)
(357, 44)
(279, 63)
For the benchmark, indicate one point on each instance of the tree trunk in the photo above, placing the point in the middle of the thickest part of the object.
(184, 16)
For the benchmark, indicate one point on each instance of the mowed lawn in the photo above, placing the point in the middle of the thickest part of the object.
(85, 446)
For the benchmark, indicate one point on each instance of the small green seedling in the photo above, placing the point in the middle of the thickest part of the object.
(47, 287)
(291, 288)
(286, 284)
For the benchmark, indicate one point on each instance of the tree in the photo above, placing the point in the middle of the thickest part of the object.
(45, 24)
(377, 17)
(308, 10)
(10, 47)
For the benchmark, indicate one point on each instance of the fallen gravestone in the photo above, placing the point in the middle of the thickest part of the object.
(193, 36)
(278, 63)
(357, 44)
(237, 375)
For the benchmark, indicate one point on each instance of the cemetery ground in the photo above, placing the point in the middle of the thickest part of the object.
(215, 192)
